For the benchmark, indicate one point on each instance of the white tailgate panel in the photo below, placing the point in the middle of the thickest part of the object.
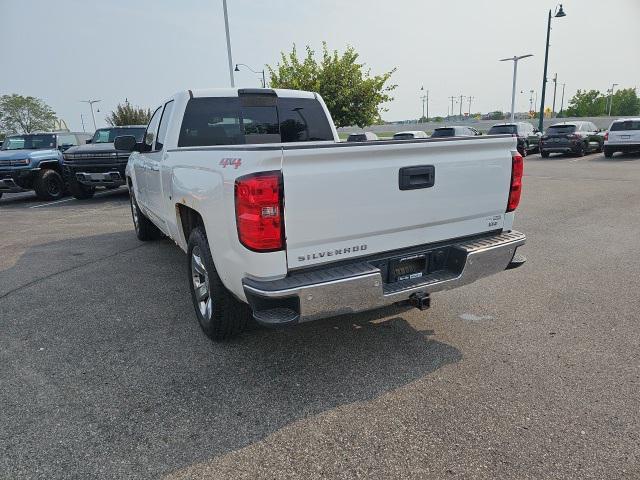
(348, 198)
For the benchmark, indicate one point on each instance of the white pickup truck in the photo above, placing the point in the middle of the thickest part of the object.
(283, 223)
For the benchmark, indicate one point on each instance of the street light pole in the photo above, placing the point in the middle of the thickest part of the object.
(555, 87)
(559, 14)
(515, 60)
(613, 86)
(91, 102)
(452, 99)
(562, 99)
(226, 28)
(264, 82)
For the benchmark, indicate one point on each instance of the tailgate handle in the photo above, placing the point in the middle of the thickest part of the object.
(412, 178)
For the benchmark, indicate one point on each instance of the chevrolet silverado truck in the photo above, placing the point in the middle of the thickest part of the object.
(34, 162)
(282, 223)
(98, 163)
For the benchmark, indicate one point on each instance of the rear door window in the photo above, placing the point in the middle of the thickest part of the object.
(443, 132)
(502, 129)
(561, 129)
(626, 125)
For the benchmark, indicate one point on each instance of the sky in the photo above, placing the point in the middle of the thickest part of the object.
(64, 51)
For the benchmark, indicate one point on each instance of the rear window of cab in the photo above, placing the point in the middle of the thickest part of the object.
(625, 125)
(211, 121)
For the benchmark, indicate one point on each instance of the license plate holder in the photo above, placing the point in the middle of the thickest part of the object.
(408, 268)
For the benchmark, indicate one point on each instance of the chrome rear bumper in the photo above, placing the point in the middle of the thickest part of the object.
(358, 287)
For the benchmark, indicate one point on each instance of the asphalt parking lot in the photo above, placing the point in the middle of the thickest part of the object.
(534, 373)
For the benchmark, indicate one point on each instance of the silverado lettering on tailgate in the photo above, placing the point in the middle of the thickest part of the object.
(332, 253)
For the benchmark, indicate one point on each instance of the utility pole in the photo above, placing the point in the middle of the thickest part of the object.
(452, 98)
(562, 99)
(461, 97)
(91, 102)
(613, 86)
(82, 120)
(424, 98)
(555, 86)
(470, 98)
(226, 28)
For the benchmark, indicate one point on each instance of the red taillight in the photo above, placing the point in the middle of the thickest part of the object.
(259, 215)
(606, 136)
(517, 168)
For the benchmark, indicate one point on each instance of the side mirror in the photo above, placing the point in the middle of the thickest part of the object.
(89, 141)
(65, 146)
(126, 143)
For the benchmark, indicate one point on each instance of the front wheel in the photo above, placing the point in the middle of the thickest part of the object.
(544, 154)
(49, 185)
(219, 313)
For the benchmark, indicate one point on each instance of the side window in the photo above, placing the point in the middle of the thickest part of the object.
(67, 140)
(150, 134)
(164, 123)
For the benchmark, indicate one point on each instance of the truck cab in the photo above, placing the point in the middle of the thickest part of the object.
(34, 162)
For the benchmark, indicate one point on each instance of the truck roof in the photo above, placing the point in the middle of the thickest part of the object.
(233, 92)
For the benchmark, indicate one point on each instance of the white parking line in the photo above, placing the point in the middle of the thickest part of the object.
(51, 203)
(66, 200)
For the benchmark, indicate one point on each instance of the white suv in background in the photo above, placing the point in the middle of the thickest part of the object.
(623, 136)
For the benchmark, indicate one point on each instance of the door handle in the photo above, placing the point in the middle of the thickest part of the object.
(154, 168)
(413, 178)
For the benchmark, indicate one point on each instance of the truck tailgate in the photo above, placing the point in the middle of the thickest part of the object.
(344, 201)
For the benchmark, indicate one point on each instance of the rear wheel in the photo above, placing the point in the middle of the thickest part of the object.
(544, 154)
(608, 153)
(581, 150)
(145, 229)
(49, 185)
(80, 191)
(219, 313)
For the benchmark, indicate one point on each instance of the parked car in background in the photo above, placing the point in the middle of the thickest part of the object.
(455, 131)
(578, 138)
(362, 137)
(217, 167)
(521, 130)
(623, 136)
(410, 134)
(98, 163)
(34, 162)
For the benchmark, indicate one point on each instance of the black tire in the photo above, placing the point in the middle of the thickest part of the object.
(80, 191)
(49, 185)
(608, 153)
(523, 151)
(145, 229)
(582, 150)
(219, 313)
(544, 154)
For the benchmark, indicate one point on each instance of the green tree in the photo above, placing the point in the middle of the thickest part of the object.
(586, 103)
(126, 114)
(19, 114)
(625, 102)
(352, 95)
